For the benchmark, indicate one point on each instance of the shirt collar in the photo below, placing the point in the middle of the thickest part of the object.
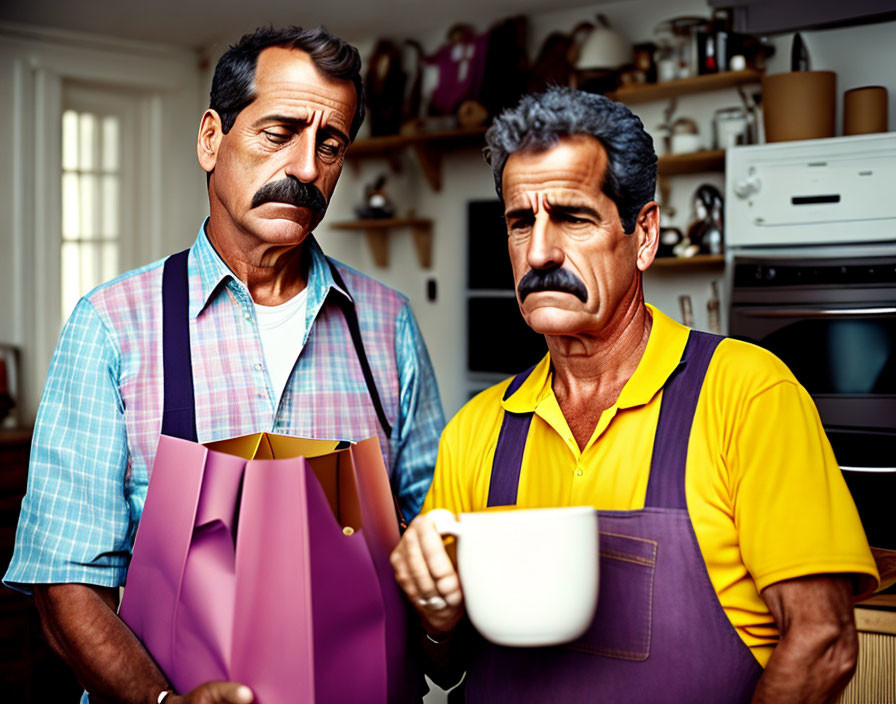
(661, 357)
(214, 274)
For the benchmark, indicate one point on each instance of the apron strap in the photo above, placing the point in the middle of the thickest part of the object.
(179, 411)
(666, 483)
(351, 318)
(508, 462)
(665, 486)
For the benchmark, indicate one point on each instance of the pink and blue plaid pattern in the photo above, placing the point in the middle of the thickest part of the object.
(100, 416)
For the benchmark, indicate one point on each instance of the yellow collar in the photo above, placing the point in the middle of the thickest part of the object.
(661, 356)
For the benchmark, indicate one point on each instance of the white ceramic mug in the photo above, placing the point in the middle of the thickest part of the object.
(529, 576)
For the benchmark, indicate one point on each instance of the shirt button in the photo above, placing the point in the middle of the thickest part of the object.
(579, 472)
(247, 316)
(259, 366)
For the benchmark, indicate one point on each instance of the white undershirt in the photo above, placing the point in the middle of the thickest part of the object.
(282, 329)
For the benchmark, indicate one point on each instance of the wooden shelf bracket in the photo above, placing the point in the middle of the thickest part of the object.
(376, 232)
(430, 160)
(378, 240)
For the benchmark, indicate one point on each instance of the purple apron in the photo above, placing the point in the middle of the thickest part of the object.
(659, 634)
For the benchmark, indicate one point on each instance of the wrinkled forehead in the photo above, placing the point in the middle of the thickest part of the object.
(575, 165)
(288, 77)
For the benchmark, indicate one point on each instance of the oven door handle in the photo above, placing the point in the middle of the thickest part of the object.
(814, 312)
(845, 468)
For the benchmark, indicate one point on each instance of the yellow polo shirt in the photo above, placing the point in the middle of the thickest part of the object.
(765, 494)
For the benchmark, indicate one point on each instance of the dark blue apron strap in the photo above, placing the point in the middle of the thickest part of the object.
(666, 484)
(508, 461)
(351, 318)
(179, 411)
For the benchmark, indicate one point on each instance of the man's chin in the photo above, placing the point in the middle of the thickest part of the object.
(549, 320)
(286, 219)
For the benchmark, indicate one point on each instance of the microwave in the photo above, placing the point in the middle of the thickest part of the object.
(816, 192)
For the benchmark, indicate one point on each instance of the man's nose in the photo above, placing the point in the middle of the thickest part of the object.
(302, 162)
(544, 251)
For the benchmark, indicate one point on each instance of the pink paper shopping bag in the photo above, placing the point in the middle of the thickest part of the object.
(265, 560)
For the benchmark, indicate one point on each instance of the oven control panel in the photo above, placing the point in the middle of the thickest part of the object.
(817, 273)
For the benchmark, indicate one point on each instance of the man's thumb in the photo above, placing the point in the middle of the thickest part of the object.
(232, 693)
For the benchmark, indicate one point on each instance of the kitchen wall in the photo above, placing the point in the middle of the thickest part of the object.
(35, 67)
(860, 55)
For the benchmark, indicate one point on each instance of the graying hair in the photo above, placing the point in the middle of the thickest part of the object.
(541, 119)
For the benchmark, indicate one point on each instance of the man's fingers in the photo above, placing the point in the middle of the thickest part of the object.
(411, 569)
(238, 694)
(425, 573)
(220, 693)
(423, 568)
(441, 570)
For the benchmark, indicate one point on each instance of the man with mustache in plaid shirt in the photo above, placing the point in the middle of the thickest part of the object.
(270, 344)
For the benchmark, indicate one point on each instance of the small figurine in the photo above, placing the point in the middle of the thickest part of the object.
(376, 201)
(706, 230)
(670, 237)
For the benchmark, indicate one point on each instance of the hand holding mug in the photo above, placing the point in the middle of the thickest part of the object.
(425, 572)
(529, 576)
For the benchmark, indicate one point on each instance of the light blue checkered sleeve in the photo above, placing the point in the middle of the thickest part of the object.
(415, 439)
(74, 526)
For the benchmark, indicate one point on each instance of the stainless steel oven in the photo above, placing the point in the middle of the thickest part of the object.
(833, 322)
(811, 269)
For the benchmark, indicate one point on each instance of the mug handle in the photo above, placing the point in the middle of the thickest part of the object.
(444, 521)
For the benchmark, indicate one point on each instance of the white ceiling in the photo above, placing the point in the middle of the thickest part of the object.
(199, 24)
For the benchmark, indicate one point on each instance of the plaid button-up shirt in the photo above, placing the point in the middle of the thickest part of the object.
(100, 416)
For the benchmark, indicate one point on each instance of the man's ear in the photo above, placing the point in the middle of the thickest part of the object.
(647, 230)
(209, 141)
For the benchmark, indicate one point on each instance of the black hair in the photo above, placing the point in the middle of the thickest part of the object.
(233, 86)
(539, 121)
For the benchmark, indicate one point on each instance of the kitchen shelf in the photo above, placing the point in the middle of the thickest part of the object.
(692, 163)
(697, 260)
(427, 146)
(377, 230)
(645, 92)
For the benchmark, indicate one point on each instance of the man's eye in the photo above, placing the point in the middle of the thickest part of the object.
(277, 137)
(329, 150)
(571, 219)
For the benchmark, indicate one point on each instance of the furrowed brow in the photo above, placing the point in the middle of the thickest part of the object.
(573, 209)
(518, 213)
(298, 122)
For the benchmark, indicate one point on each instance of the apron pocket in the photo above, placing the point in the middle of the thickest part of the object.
(622, 626)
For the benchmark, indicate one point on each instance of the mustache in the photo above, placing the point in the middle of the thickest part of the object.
(293, 192)
(558, 279)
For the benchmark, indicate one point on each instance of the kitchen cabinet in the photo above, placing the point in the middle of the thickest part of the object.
(874, 679)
